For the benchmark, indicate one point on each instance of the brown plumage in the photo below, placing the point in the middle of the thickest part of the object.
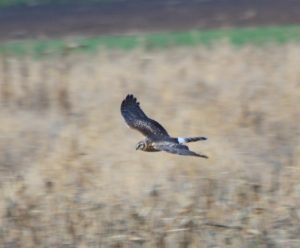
(157, 138)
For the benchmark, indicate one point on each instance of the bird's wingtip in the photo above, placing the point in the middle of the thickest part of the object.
(130, 98)
(203, 156)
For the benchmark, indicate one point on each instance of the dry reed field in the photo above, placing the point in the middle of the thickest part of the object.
(70, 175)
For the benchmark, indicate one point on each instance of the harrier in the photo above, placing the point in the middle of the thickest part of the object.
(157, 138)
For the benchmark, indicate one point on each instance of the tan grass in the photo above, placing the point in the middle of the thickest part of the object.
(71, 177)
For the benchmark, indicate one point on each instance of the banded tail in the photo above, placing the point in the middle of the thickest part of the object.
(189, 139)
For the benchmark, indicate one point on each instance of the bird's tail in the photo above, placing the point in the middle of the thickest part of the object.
(190, 139)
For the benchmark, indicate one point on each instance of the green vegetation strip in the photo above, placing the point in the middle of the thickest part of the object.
(236, 36)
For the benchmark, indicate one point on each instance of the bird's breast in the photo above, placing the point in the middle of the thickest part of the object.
(150, 148)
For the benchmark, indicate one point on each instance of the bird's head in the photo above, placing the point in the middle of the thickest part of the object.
(141, 146)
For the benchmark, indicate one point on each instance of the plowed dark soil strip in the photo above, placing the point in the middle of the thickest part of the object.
(143, 16)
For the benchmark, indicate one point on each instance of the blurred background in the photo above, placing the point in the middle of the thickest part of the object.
(224, 69)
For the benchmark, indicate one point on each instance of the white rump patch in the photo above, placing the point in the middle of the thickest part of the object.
(181, 140)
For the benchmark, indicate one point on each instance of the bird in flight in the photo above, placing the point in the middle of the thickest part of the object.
(156, 136)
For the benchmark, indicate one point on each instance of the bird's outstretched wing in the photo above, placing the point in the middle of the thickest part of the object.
(177, 149)
(136, 118)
